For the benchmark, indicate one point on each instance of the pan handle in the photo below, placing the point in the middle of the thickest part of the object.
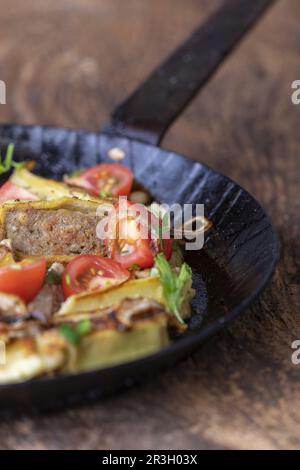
(151, 109)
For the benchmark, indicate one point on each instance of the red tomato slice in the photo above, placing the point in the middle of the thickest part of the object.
(10, 192)
(107, 178)
(129, 238)
(23, 279)
(92, 273)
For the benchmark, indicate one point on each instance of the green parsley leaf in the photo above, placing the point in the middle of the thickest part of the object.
(9, 156)
(162, 225)
(8, 163)
(173, 284)
(18, 165)
(74, 334)
(75, 173)
(84, 327)
(134, 267)
(69, 334)
(161, 240)
(105, 194)
(68, 279)
(53, 278)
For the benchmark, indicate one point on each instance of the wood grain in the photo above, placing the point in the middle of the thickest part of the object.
(68, 64)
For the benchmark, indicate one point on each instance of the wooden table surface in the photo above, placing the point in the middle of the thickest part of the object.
(68, 63)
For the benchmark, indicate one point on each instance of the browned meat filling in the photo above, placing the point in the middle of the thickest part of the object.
(53, 232)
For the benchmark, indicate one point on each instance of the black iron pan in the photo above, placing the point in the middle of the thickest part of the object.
(241, 251)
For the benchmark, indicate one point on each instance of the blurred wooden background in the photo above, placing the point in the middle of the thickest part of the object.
(68, 63)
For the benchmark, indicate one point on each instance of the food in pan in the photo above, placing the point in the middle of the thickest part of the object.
(72, 300)
(61, 227)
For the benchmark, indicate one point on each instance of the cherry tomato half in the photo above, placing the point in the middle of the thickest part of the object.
(23, 279)
(11, 192)
(106, 178)
(92, 273)
(130, 239)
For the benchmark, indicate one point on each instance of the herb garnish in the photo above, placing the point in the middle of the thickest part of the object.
(162, 224)
(74, 334)
(173, 284)
(68, 279)
(134, 267)
(8, 163)
(105, 194)
(75, 173)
